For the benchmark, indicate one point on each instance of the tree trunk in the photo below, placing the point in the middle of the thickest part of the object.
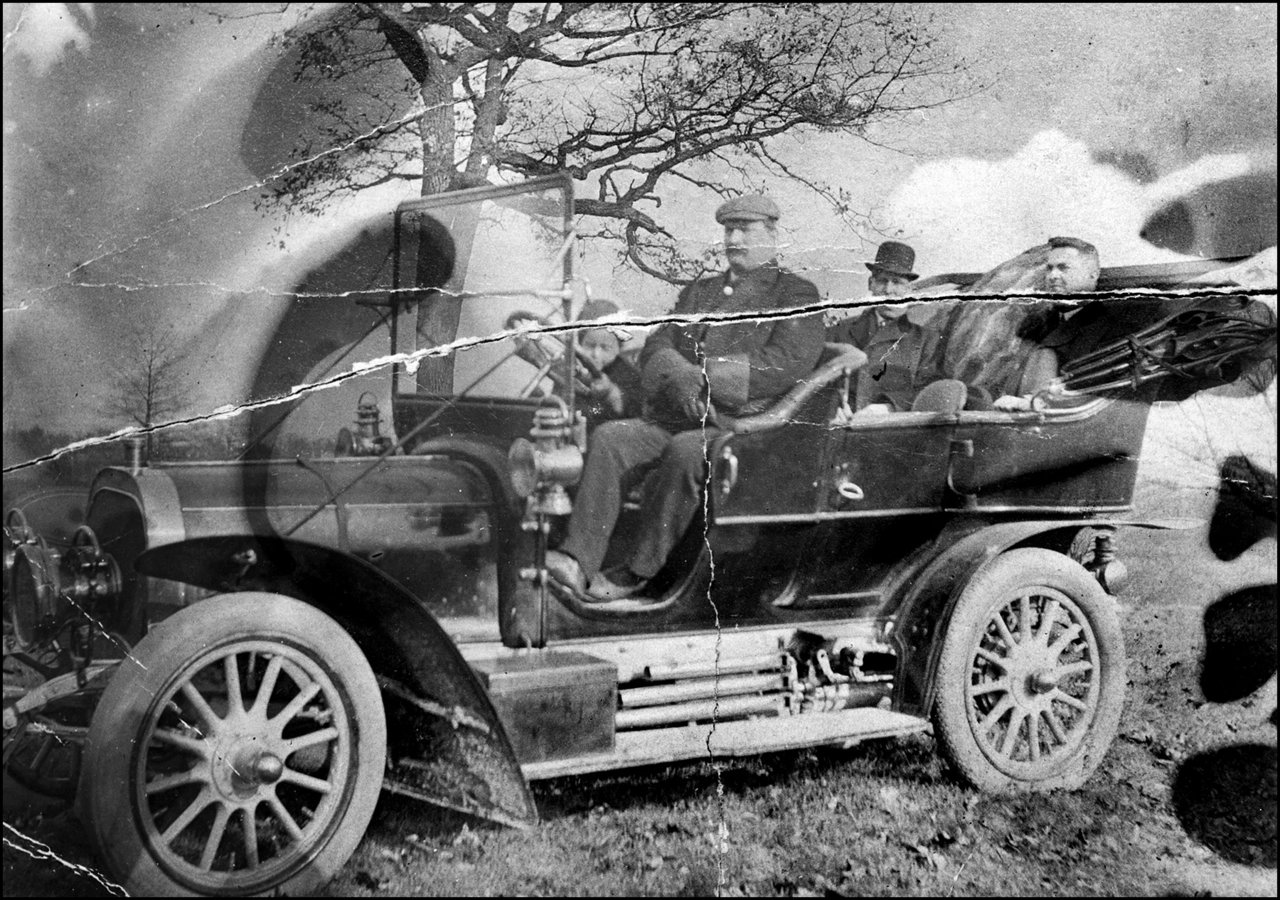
(438, 316)
(490, 112)
(148, 403)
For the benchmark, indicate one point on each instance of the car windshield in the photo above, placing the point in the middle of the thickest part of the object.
(444, 268)
(467, 266)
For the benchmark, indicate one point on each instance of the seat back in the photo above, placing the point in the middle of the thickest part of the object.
(835, 361)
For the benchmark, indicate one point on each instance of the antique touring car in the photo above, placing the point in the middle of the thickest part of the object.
(229, 660)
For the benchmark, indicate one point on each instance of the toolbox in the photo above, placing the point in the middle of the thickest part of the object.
(553, 704)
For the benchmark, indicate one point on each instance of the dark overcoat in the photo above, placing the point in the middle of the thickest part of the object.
(748, 363)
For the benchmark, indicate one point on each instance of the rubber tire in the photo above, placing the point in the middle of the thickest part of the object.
(106, 796)
(995, 584)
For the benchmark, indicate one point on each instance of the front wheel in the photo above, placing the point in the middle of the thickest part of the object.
(1030, 682)
(239, 750)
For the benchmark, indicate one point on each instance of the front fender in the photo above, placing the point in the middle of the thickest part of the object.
(438, 711)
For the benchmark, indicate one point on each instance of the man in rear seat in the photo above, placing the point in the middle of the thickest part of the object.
(900, 340)
(1071, 267)
(694, 374)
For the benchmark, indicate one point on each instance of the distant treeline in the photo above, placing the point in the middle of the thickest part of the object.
(221, 439)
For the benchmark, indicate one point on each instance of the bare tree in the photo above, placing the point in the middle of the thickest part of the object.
(621, 95)
(147, 387)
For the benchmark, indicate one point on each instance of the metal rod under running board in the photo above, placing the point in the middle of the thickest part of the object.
(671, 671)
(699, 709)
(727, 686)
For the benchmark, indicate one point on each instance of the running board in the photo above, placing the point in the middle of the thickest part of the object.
(729, 739)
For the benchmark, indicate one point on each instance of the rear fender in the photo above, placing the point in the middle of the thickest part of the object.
(928, 600)
(437, 709)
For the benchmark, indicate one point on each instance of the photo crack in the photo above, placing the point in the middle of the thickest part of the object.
(639, 449)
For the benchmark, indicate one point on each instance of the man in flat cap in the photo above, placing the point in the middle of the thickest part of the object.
(696, 377)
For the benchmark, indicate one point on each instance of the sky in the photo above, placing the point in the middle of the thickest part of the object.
(133, 153)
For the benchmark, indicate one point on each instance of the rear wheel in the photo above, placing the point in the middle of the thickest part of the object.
(240, 749)
(1030, 682)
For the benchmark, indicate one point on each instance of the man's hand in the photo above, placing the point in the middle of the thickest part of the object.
(1053, 391)
(600, 386)
(692, 407)
(874, 409)
(686, 388)
(604, 389)
(1010, 403)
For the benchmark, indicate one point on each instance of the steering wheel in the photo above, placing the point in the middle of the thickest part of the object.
(545, 352)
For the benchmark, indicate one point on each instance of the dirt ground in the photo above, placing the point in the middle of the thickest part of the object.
(1184, 805)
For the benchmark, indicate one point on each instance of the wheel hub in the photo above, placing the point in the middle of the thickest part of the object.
(243, 764)
(1033, 677)
(249, 766)
(1043, 681)
(268, 768)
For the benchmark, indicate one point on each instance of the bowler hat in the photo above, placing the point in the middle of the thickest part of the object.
(895, 258)
(749, 208)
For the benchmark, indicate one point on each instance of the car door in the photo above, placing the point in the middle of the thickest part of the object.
(880, 466)
(890, 465)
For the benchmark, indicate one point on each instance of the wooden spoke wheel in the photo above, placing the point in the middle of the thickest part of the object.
(240, 750)
(1031, 675)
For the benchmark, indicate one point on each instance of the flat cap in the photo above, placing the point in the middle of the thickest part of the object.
(751, 207)
(596, 309)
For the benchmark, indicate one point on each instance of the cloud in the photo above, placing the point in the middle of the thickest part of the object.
(45, 30)
(966, 214)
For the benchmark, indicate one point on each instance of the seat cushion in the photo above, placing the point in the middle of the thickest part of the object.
(945, 396)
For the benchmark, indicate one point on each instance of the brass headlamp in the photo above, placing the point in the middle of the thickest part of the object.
(549, 461)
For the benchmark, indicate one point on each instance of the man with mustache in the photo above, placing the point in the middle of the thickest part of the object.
(695, 376)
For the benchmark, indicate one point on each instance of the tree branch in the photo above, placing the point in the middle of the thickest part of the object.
(402, 37)
(644, 92)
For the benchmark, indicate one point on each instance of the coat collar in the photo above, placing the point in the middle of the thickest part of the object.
(918, 315)
(758, 277)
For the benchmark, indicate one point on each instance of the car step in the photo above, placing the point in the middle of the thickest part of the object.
(731, 739)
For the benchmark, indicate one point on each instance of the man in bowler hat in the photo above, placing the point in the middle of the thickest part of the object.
(898, 339)
(694, 375)
(891, 273)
